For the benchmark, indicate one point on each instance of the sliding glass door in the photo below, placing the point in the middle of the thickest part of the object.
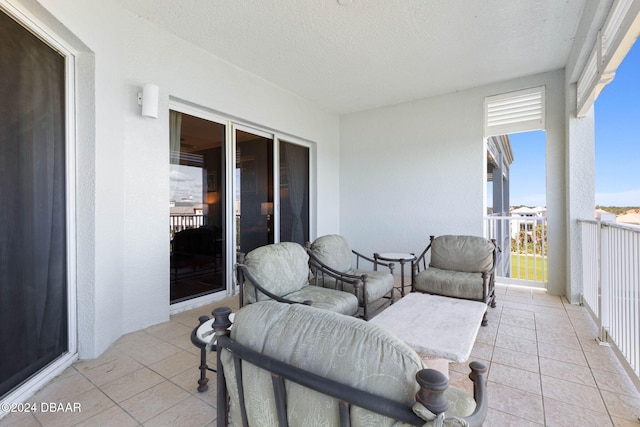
(254, 202)
(197, 207)
(233, 188)
(294, 192)
(34, 281)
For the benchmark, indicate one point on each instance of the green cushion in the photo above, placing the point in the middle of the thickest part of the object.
(328, 299)
(450, 283)
(341, 348)
(471, 254)
(281, 268)
(334, 251)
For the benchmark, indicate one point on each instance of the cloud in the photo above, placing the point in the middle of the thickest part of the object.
(176, 175)
(621, 198)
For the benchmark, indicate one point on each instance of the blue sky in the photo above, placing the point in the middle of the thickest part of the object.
(617, 127)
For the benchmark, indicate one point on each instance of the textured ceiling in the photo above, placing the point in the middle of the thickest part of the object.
(372, 53)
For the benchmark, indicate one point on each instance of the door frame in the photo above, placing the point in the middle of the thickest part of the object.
(232, 124)
(56, 42)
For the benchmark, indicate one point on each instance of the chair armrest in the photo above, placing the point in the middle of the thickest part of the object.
(318, 268)
(245, 275)
(373, 261)
(497, 255)
(352, 279)
(421, 258)
(433, 385)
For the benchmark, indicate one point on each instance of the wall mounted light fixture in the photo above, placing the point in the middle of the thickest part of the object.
(148, 98)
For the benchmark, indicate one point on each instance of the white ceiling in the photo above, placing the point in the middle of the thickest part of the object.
(372, 53)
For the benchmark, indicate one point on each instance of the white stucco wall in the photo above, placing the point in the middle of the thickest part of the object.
(123, 158)
(404, 171)
(415, 169)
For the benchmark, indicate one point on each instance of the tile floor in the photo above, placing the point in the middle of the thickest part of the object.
(545, 368)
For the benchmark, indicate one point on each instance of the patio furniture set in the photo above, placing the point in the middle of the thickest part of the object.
(297, 350)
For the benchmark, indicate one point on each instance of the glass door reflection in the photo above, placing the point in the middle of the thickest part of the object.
(196, 203)
(254, 191)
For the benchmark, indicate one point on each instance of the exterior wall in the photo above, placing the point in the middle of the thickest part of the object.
(409, 170)
(581, 199)
(123, 158)
(417, 169)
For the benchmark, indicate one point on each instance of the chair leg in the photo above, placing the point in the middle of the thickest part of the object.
(485, 322)
(493, 300)
(202, 382)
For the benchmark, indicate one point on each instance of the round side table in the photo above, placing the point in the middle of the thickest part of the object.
(399, 257)
(200, 337)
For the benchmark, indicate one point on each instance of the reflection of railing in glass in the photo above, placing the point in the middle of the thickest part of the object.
(182, 222)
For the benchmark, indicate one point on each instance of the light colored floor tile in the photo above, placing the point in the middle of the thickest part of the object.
(519, 321)
(572, 393)
(557, 327)
(562, 414)
(518, 306)
(497, 418)
(169, 330)
(188, 413)
(65, 388)
(622, 406)
(20, 419)
(552, 351)
(518, 313)
(567, 371)
(132, 384)
(515, 402)
(604, 359)
(150, 376)
(516, 331)
(90, 404)
(151, 402)
(559, 340)
(621, 422)
(109, 368)
(515, 359)
(114, 416)
(520, 344)
(516, 378)
(481, 351)
(175, 364)
(614, 382)
(487, 334)
(590, 344)
(155, 353)
(136, 341)
(184, 341)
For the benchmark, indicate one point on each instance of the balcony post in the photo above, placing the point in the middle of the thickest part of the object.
(604, 285)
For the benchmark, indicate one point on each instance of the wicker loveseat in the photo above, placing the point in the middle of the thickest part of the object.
(460, 267)
(283, 364)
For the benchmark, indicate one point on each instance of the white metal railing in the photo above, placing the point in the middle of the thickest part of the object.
(182, 222)
(523, 241)
(611, 284)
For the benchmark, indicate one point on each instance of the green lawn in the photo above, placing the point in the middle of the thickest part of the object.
(528, 268)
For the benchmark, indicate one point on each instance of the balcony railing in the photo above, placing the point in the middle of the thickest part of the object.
(523, 242)
(611, 285)
(178, 223)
